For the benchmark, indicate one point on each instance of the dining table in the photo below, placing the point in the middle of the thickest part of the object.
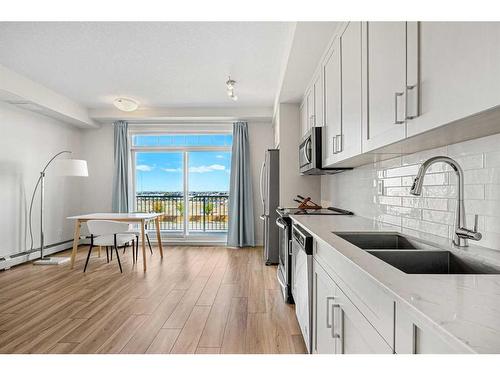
(142, 218)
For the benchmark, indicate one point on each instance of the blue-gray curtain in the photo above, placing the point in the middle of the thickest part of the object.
(241, 231)
(120, 174)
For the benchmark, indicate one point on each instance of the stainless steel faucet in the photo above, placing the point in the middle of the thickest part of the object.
(462, 234)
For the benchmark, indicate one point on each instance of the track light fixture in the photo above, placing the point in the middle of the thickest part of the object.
(230, 83)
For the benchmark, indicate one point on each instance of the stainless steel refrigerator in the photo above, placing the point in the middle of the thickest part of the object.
(269, 193)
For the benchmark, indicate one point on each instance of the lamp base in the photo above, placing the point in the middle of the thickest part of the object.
(52, 261)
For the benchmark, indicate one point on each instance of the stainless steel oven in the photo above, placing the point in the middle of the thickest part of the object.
(310, 154)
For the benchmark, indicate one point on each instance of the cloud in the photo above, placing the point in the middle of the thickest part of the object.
(144, 168)
(170, 170)
(207, 168)
(220, 156)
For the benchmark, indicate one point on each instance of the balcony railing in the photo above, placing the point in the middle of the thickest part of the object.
(206, 213)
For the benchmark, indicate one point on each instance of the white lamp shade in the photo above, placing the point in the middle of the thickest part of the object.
(71, 167)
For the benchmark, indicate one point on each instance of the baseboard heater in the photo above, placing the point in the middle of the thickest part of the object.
(26, 256)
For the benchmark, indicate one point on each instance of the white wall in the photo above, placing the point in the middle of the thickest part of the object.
(97, 149)
(433, 213)
(27, 141)
(287, 125)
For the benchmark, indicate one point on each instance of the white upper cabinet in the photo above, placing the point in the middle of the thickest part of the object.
(303, 118)
(384, 78)
(343, 97)
(317, 89)
(459, 72)
(332, 75)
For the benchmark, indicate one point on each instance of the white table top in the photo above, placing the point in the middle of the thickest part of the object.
(135, 216)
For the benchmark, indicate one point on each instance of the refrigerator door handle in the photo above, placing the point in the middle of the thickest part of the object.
(261, 184)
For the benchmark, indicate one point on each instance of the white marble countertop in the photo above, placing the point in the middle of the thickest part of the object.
(464, 306)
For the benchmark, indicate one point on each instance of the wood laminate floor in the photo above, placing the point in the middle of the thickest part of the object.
(197, 300)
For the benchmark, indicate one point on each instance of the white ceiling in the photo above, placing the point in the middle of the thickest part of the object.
(162, 64)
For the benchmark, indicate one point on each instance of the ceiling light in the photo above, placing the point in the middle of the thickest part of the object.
(230, 84)
(126, 104)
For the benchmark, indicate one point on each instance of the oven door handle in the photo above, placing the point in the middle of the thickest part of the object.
(281, 223)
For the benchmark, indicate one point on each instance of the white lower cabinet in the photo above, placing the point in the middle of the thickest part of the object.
(413, 336)
(338, 326)
(323, 296)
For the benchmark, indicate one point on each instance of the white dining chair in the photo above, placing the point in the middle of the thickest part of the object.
(111, 234)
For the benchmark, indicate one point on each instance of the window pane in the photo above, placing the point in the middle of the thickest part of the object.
(208, 182)
(160, 187)
(183, 140)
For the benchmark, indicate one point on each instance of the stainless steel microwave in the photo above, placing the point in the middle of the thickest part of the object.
(310, 154)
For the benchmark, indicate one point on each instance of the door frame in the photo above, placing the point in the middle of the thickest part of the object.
(184, 237)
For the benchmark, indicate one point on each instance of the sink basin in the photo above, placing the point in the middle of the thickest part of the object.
(433, 262)
(372, 241)
(415, 257)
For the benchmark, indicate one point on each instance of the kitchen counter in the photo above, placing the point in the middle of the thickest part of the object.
(465, 307)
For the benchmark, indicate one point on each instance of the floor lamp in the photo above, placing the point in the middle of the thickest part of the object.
(65, 167)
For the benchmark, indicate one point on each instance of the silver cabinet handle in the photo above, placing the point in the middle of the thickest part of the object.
(396, 95)
(329, 323)
(408, 89)
(334, 335)
(339, 335)
(339, 139)
(334, 145)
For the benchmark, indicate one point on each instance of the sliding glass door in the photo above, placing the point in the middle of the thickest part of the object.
(186, 180)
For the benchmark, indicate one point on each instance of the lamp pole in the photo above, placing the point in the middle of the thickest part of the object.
(41, 182)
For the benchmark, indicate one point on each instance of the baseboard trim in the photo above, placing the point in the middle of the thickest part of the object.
(15, 259)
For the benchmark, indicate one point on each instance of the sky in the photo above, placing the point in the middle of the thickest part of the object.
(163, 171)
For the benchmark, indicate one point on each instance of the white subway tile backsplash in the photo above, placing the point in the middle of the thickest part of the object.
(429, 179)
(410, 170)
(442, 217)
(394, 201)
(429, 203)
(381, 190)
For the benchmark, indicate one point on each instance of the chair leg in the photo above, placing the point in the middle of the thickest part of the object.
(111, 253)
(133, 251)
(107, 255)
(88, 257)
(149, 244)
(118, 258)
(125, 247)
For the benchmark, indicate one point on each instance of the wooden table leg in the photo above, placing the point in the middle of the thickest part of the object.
(158, 235)
(143, 236)
(76, 239)
(99, 251)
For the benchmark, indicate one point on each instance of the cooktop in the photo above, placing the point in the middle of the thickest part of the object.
(312, 211)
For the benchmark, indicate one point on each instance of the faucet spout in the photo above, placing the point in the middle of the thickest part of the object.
(462, 234)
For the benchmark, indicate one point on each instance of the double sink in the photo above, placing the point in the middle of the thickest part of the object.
(415, 257)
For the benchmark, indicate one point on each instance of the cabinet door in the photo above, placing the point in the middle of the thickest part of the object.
(459, 72)
(333, 101)
(317, 89)
(310, 107)
(414, 337)
(350, 142)
(323, 297)
(303, 118)
(355, 334)
(384, 70)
